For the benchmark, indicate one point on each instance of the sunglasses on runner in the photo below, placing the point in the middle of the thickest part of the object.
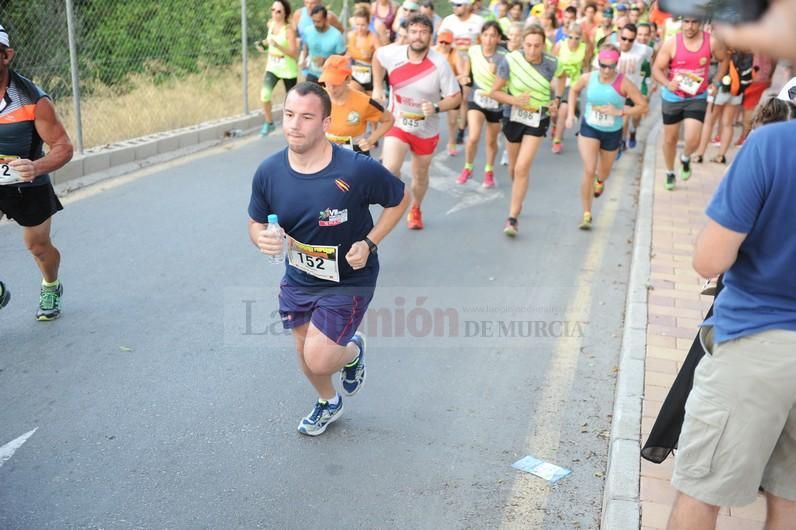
(628, 39)
(604, 65)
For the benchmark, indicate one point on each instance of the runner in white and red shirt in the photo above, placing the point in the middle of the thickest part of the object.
(464, 24)
(422, 85)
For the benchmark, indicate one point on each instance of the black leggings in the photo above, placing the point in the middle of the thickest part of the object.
(269, 82)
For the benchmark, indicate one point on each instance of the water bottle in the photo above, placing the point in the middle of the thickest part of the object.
(273, 226)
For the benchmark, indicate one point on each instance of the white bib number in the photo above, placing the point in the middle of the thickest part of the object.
(526, 117)
(8, 175)
(689, 83)
(599, 119)
(316, 260)
(362, 74)
(484, 101)
(346, 142)
(411, 122)
(276, 60)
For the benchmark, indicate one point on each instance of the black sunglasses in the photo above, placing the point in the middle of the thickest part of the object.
(626, 39)
(603, 65)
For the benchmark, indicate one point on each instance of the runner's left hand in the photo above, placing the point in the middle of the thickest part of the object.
(358, 255)
(428, 108)
(24, 167)
(363, 144)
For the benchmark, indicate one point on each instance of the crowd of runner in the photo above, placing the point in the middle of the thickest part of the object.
(515, 73)
(373, 85)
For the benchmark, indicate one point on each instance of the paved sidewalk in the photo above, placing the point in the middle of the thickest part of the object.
(675, 310)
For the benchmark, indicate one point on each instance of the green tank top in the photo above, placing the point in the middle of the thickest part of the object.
(526, 78)
(570, 63)
(481, 67)
(281, 65)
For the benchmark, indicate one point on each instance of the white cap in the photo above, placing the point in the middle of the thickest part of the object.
(4, 37)
(788, 92)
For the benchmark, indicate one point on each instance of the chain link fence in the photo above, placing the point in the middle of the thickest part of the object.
(143, 67)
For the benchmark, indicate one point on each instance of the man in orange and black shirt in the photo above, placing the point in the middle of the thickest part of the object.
(27, 122)
(352, 110)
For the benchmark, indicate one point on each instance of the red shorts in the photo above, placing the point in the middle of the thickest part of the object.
(418, 146)
(753, 93)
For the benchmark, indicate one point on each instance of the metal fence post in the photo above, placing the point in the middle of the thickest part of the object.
(70, 26)
(344, 15)
(245, 56)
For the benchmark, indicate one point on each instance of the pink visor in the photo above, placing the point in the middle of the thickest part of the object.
(608, 55)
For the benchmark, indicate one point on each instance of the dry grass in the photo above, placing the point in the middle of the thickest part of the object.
(110, 116)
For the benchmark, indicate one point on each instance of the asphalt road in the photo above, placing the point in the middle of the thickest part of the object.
(167, 395)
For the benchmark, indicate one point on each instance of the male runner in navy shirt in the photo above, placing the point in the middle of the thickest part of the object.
(321, 194)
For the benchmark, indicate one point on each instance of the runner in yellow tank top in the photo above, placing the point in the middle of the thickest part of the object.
(573, 56)
(482, 62)
(282, 50)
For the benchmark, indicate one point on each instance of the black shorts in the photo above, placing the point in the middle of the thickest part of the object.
(514, 131)
(309, 78)
(492, 116)
(676, 111)
(609, 140)
(367, 87)
(29, 205)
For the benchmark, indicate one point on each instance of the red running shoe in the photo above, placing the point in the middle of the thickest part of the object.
(415, 219)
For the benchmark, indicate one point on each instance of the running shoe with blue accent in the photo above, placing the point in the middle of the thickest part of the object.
(352, 376)
(316, 422)
(50, 303)
(631, 143)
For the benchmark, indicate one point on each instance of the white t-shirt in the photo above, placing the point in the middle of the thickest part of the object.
(630, 62)
(413, 83)
(465, 32)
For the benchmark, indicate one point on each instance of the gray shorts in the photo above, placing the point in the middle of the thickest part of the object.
(739, 431)
(677, 111)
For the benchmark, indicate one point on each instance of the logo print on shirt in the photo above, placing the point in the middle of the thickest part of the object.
(342, 185)
(332, 217)
(353, 117)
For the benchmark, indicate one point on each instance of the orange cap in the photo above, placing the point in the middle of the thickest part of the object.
(335, 70)
(445, 36)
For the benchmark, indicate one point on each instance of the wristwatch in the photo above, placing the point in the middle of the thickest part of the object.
(372, 247)
(436, 109)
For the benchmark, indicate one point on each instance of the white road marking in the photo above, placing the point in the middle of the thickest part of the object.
(443, 179)
(8, 450)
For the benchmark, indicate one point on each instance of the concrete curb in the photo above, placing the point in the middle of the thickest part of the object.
(621, 495)
(117, 159)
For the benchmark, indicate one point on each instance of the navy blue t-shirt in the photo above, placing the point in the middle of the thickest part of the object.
(757, 197)
(330, 207)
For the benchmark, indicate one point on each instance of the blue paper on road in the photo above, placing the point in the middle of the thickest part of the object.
(542, 469)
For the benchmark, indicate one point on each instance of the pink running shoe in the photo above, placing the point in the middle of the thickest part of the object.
(464, 176)
(489, 179)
